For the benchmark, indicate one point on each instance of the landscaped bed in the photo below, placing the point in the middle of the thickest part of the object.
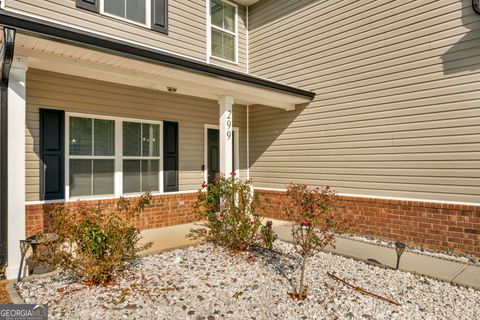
(209, 282)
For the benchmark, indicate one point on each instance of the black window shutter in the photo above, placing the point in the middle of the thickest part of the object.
(52, 154)
(91, 5)
(160, 15)
(170, 156)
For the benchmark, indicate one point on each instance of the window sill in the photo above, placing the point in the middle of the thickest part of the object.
(131, 22)
(234, 63)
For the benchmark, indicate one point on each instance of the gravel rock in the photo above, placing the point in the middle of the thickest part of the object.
(244, 286)
(458, 257)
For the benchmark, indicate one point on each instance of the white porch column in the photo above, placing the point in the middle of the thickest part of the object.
(16, 163)
(226, 134)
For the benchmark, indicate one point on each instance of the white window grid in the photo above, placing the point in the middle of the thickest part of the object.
(209, 33)
(148, 14)
(141, 157)
(118, 157)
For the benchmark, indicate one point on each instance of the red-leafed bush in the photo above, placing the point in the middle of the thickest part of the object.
(315, 222)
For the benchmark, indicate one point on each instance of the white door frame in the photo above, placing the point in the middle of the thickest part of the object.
(236, 149)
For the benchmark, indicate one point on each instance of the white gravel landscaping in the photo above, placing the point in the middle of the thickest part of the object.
(463, 258)
(207, 282)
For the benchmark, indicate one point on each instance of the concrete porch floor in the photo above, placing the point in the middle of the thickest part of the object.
(458, 273)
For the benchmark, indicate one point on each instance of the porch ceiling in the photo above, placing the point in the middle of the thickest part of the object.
(65, 58)
(60, 48)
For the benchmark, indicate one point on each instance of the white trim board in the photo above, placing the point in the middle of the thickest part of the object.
(384, 198)
(247, 41)
(16, 181)
(236, 149)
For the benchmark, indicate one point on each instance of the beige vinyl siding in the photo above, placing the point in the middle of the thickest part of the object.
(74, 94)
(397, 107)
(187, 28)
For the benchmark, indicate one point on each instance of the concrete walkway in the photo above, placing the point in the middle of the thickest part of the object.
(170, 238)
(451, 271)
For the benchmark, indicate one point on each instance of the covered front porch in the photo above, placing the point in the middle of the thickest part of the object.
(88, 123)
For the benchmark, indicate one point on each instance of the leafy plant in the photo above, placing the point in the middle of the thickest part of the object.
(268, 235)
(228, 205)
(91, 242)
(315, 222)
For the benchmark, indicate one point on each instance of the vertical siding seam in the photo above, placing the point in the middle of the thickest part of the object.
(247, 59)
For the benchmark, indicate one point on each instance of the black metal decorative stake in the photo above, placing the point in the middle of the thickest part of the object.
(399, 248)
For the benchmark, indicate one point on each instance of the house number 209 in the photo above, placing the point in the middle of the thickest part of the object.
(229, 124)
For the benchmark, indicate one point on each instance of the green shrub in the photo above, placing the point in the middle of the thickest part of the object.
(91, 242)
(228, 205)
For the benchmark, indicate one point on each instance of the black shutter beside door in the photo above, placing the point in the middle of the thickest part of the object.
(90, 5)
(52, 154)
(160, 15)
(170, 156)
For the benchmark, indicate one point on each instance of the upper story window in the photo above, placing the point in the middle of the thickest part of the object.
(151, 14)
(136, 11)
(223, 30)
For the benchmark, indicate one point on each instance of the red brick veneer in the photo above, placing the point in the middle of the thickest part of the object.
(438, 226)
(165, 210)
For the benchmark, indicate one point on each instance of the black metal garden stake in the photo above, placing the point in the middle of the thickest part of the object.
(399, 248)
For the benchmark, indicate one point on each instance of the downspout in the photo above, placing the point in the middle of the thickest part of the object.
(248, 142)
(248, 106)
(6, 59)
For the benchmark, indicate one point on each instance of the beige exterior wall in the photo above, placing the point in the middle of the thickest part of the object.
(187, 26)
(73, 94)
(397, 111)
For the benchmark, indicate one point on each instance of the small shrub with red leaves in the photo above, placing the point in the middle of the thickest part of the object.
(229, 207)
(315, 223)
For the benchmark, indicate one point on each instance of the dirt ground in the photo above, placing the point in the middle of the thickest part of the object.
(4, 297)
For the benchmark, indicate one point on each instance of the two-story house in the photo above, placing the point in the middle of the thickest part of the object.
(109, 98)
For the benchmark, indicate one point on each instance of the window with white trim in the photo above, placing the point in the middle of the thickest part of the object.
(112, 156)
(91, 156)
(136, 11)
(223, 30)
(141, 157)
